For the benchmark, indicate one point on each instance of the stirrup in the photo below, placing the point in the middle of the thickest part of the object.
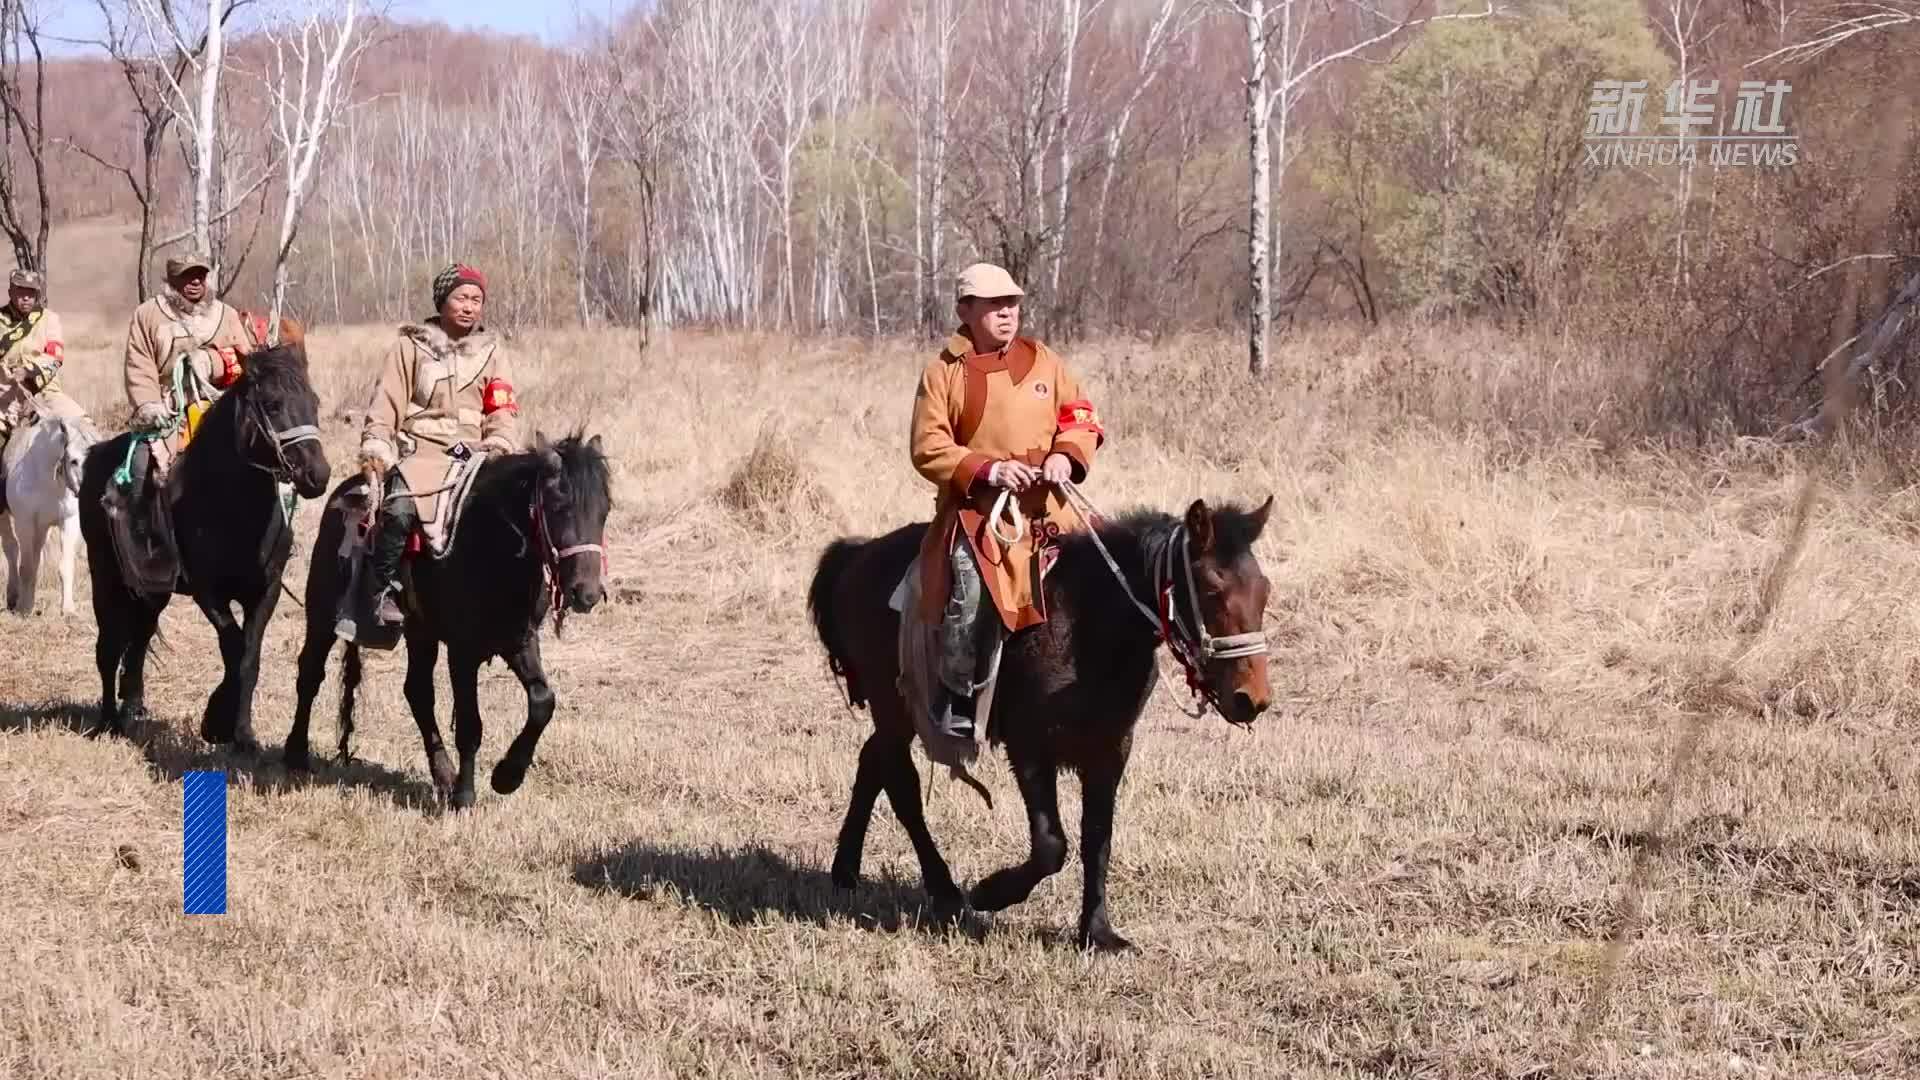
(954, 724)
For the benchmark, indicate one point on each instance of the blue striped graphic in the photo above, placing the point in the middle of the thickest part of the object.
(203, 843)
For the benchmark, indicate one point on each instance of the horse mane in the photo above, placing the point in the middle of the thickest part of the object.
(279, 373)
(584, 466)
(1133, 536)
(278, 370)
(1235, 529)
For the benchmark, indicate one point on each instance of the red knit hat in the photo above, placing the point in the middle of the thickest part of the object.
(454, 276)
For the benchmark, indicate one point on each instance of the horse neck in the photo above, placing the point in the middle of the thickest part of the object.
(508, 518)
(37, 473)
(48, 446)
(215, 452)
(1136, 552)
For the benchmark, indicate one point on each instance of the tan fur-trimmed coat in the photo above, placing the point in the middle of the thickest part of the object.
(435, 392)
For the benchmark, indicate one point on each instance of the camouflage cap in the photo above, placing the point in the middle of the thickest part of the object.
(180, 264)
(27, 279)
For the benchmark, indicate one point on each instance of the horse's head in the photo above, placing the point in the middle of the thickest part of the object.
(74, 439)
(1217, 604)
(572, 497)
(277, 418)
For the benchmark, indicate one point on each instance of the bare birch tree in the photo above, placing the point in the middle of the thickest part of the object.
(1276, 78)
(716, 81)
(23, 130)
(640, 132)
(844, 92)
(188, 58)
(923, 69)
(584, 100)
(315, 59)
(1172, 21)
(796, 54)
(1680, 25)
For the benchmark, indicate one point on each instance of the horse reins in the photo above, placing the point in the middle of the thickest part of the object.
(551, 556)
(293, 436)
(1191, 645)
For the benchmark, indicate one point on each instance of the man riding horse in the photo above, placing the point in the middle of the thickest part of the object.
(446, 390)
(998, 423)
(185, 347)
(31, 352)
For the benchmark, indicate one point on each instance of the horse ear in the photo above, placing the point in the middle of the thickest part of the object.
(1200, 526)
(1260, 517)
(593, 444)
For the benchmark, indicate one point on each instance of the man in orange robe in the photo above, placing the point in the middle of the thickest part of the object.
(998, 422)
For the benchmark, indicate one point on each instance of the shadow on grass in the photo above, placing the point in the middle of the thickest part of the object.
(174, 753)
(743, 885)
(53, 715)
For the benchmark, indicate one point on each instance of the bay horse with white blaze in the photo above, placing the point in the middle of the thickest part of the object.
(231, 535)
(521, 549)
(1070, 690)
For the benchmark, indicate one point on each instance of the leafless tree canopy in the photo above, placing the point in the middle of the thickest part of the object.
(1145, 166)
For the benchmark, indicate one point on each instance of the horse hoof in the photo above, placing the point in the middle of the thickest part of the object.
(946, 907)
(1103, 939)
(508, 776)
(298, 761)
(462, 799)
(845, 878)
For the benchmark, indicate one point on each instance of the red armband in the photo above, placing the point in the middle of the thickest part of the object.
(55, 350)
(1079, 416)
(497, 395)
(226, 370)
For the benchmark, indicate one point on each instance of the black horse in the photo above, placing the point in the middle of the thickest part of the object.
(531, 537)
(1070, 690)
(231, 537)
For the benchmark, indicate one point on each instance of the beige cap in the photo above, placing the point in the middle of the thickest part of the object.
(180, 264)
(27, 279)
(986, 280)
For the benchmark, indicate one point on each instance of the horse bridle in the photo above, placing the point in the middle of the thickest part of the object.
(1193, 646)
(256, 414)
(551, 556)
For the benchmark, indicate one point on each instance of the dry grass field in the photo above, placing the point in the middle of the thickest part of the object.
(1485, 651)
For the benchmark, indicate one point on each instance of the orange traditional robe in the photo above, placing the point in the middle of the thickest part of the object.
(971, 410)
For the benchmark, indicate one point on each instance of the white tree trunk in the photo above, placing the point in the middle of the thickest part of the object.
(314, 66)
(204, 128)
(1259, 274)
(1162, 30)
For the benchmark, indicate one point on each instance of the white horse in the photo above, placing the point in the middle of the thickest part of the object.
(43, 492)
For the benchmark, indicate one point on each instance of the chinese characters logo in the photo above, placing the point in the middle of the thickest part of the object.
(1752, 135)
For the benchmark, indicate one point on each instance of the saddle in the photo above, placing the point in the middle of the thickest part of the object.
(441, 511)
(140, 521)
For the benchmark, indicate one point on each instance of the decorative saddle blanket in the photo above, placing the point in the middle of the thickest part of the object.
(442, 510)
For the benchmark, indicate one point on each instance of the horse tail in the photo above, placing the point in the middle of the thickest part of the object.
(834, 561)
(349, 690)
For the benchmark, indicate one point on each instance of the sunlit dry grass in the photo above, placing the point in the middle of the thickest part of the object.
(1486, 643)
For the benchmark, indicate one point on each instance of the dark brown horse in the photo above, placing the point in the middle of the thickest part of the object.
(1069, 690)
